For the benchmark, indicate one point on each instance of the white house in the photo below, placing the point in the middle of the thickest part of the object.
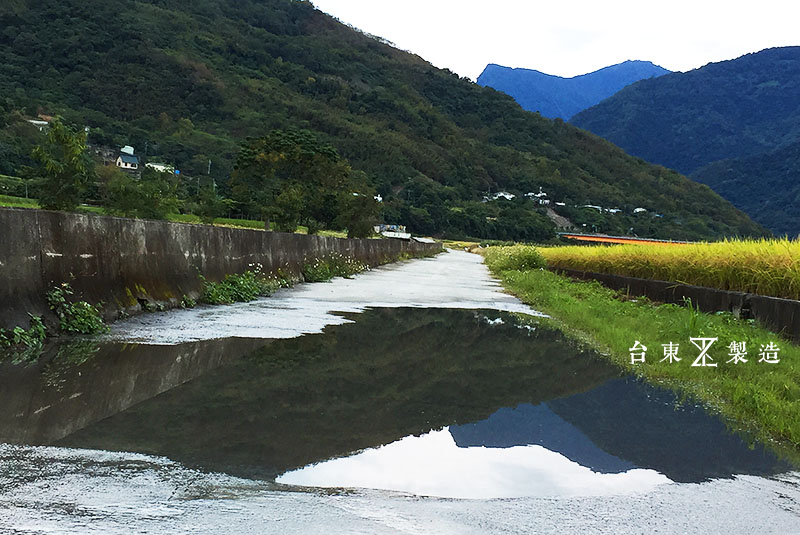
(128, 162)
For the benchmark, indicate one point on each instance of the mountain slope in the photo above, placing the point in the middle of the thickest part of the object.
(554, 96)
(766, 186)
(190, 81)
(724, 110)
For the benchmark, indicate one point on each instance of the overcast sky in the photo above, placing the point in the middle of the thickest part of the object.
(568, 38)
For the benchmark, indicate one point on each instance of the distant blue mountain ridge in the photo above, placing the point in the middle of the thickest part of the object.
(554, 96)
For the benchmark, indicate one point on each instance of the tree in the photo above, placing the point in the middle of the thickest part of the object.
(152, 197)
(359, 215)
(209, 205)
(290, 177)
(64, 166)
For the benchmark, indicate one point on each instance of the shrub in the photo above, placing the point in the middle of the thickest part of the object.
(239, 287)
(334, 265)
(514, 257)
(24, 337)
(79, 317)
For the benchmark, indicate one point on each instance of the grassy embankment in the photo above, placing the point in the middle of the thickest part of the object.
(21, 202)
(757, 397)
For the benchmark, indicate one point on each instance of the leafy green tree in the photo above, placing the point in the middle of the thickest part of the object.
(210, 205)
(290, 177)
(153, 196)
(288, 208)
(64, 166)
(359, 214)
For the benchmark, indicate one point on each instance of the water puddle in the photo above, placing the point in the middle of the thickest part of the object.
(434, 465)
(449, 403)
(352, 425)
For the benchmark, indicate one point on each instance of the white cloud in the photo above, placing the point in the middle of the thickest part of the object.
(572, 37)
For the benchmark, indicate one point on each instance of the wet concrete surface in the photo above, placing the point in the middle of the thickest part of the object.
(55, 490)
(421, 402)
(451, 280)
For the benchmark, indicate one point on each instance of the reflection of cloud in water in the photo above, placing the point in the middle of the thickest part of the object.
(433, 465)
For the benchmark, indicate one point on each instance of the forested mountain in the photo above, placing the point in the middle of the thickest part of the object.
(766, 186)
(188, 82)
(745, 109)
(554, 96)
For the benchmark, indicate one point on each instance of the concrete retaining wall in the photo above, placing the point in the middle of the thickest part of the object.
(778, 315)
(127, 262)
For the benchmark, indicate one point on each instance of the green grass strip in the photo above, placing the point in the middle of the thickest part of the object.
(759, 398)
(18, 202)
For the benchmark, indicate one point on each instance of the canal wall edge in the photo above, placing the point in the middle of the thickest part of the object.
(777, 314)
(129, 264)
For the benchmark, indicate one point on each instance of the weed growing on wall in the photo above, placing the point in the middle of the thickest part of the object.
(333, 265)
(285, 278)
(77, 318)
(239, 287)
(18, 336)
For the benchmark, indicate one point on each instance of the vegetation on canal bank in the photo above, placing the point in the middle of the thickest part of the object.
(764, 267)
(19, 336)
(760, 397)
(253, 283)
(334, 265)
(74, 317)
(80, 317)
(239, 287)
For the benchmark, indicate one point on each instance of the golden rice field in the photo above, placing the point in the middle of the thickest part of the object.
(765, 267)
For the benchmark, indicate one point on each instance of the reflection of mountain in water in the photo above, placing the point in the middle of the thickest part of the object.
(392, 373)
(647, 427)
(624, 424)
(537, 424)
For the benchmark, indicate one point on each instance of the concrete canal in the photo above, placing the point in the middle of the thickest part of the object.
(416, 398)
